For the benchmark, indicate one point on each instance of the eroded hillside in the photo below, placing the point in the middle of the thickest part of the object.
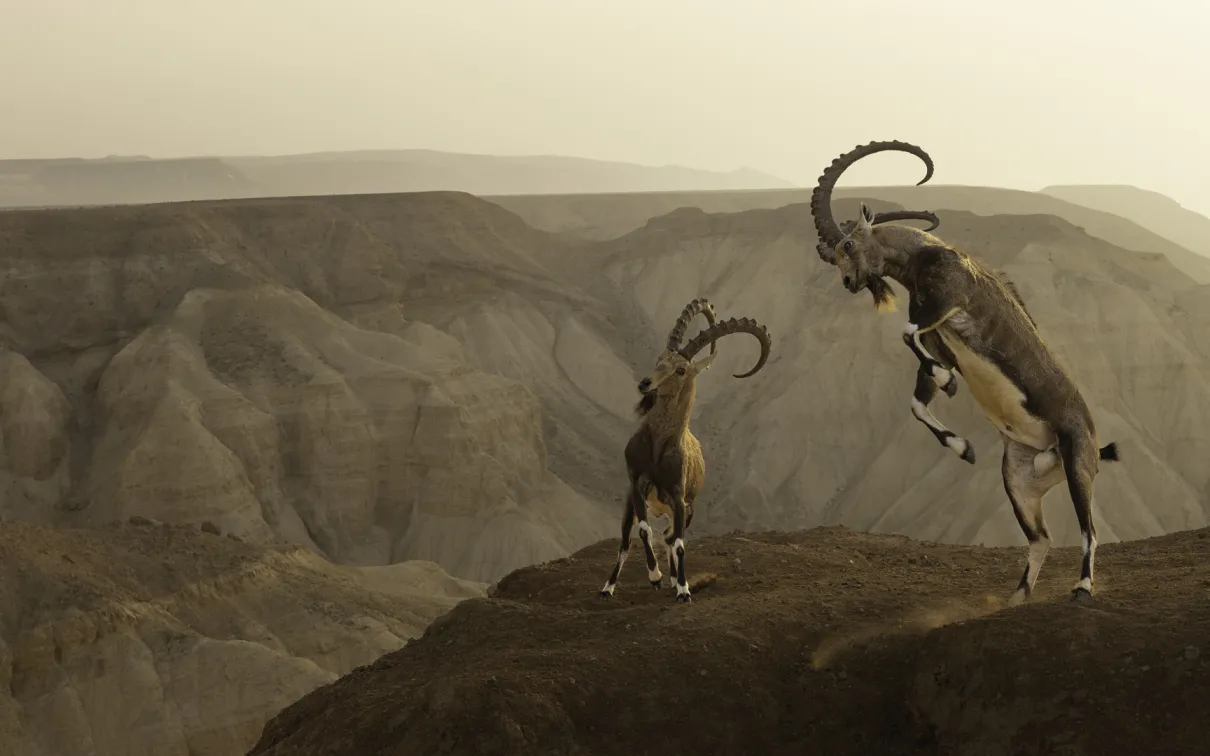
(427, 377)
(274, 367)
(154, 639)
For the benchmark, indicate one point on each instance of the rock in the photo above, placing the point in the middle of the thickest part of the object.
(234, 633)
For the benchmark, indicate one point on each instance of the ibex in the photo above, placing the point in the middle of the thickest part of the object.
(663, 458)
(966, 318)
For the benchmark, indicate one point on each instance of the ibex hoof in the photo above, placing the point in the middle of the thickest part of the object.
(657, 583)
(683, 598)
(1081, 595)
(969, 454)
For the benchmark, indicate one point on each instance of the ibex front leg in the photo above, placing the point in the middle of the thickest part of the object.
(926, 389)
(678, 543)
(941, 375)
(931, 375)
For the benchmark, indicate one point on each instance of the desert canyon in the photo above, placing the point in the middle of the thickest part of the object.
(361, 446)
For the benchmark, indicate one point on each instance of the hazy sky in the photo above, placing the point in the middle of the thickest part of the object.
(1019, 94)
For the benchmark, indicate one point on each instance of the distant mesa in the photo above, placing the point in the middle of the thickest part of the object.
(125, 179)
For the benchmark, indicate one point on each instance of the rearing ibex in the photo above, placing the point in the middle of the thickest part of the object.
(967, 318)
(663, 458)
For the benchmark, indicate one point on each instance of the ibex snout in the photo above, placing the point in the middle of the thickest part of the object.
(644, 385)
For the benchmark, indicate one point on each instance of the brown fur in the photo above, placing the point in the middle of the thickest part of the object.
(664, 459)
(969, 319)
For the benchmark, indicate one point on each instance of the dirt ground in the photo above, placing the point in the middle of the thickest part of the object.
(825, 641)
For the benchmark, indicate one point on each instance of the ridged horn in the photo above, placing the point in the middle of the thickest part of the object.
(821, 198)
(698, 306)
(725, 328)
(901, 215)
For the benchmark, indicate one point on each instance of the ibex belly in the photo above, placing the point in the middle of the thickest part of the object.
(656, 506)
(1001, 400)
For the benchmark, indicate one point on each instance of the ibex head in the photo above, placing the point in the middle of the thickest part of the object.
(832, 236)
(858, 254)
(676, 370)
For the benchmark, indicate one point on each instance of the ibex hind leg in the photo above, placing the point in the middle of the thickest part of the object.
(627, 525)
(1026, 484)
(1079, 453)
(926, 391)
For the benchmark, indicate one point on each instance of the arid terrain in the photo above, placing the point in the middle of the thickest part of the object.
(155, 639)
(825, 641)
(248, 445)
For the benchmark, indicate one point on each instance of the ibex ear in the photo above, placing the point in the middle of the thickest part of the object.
(704, 363)
(866, 220)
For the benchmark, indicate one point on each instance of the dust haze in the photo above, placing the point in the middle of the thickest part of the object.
(320, 327)
(1020, 96)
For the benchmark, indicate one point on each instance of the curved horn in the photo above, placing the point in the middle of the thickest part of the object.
(726, 327)
(821, 199)
(901, 215)
(698, 306)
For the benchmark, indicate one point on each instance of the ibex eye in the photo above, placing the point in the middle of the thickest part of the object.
(680, 371)
(848, 246)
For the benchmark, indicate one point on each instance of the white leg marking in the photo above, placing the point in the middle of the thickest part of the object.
(655, 575)
(910, 328)
(1045, 462)
(924, 415)
(682, 585)
(957, 444)
(609, 584)
(941, 376)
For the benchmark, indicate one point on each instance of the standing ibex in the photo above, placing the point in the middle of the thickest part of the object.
(663, 458)
(966, 318)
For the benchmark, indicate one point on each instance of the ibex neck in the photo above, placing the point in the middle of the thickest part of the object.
(669, 418)
(899, 247)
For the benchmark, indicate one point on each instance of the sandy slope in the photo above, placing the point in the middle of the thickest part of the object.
(825, 641)
(147, 638)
